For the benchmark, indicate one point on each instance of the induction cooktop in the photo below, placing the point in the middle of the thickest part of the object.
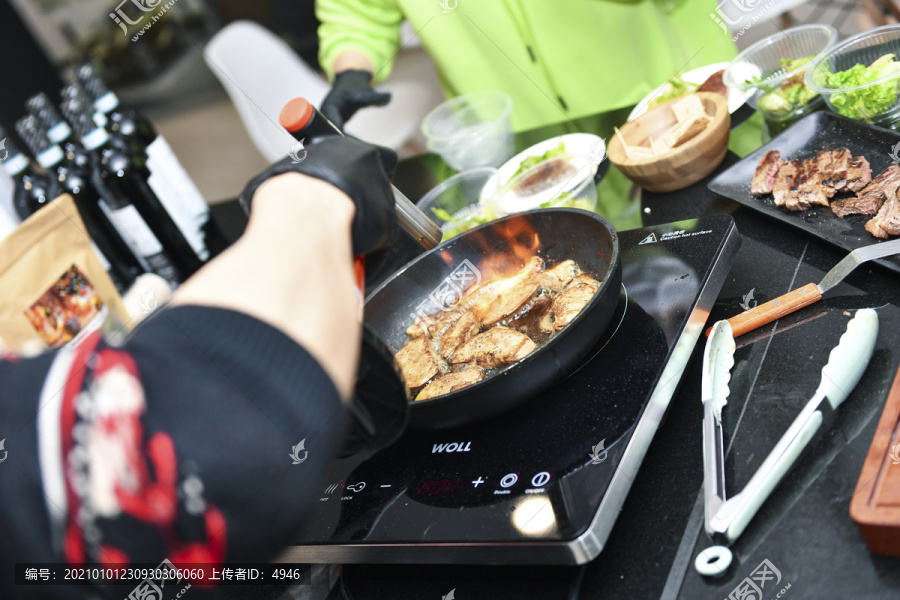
(544, 482)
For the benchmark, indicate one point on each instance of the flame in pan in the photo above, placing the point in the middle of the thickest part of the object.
(521, 243)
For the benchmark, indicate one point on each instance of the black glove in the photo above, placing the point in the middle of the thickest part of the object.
(358, 170)
(350, 92)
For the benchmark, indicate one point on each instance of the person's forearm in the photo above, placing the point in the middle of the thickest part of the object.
(292, 268)
(352, 59)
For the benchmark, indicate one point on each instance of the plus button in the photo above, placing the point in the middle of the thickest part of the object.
(478, 481)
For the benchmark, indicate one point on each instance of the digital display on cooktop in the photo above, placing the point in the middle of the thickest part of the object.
(540, 471)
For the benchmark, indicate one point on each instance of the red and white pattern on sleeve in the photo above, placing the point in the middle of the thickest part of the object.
(113, 469)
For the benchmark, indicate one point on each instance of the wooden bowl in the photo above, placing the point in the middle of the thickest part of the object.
(681, 166)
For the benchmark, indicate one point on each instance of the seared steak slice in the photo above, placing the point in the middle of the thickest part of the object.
(784, 181)
(867, 205)
(869, 199)
(766, 172)
(807, 184)
(826, 190)
(887, 222)
(840, 162)
(859, 173)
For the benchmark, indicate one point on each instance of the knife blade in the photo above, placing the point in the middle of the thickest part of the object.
(809, 293)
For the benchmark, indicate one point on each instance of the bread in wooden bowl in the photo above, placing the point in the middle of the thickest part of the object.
(672, 145)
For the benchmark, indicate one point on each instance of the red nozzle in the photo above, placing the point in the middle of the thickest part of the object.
(296, 114)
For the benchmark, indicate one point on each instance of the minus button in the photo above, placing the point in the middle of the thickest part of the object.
(386, 485)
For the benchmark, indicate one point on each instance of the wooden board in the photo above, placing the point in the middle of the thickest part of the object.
(876, 501)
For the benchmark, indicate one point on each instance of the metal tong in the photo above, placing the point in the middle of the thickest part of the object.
(727, 518)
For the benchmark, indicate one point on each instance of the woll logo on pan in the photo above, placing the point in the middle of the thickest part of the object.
(449, 5)
(895, 154)
(894, 453)
(746, 300)
(4, 153)
(598, 453)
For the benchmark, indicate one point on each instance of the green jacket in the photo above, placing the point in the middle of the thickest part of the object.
(557, 59)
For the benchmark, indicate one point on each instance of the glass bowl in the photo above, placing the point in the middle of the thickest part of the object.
(461, 202)
(561, 181)
(762, 69)
(473, 130)
(874, 102)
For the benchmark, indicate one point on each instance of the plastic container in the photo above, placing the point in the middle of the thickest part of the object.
(860, 102)
(474, 130)
(566, 181)
(462, 197)
(759, 68)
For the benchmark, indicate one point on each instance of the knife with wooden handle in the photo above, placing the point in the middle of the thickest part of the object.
(809, 293)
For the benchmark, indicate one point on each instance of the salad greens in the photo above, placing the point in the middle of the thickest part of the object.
(568, 200)
(677, 87)
(870, 101)
(530, 161)
(790, 94)
(455, 225)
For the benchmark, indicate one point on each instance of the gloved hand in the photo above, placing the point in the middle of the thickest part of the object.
(357, 169)
(351, 91)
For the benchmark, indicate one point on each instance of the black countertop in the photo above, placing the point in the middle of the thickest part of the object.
(804, 529)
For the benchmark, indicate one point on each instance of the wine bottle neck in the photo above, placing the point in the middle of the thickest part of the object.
(94, 139)
(107, 103)
(50, 157)
(59, 132)
(15, 165)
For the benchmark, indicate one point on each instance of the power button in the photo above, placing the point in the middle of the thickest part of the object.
(541, 479)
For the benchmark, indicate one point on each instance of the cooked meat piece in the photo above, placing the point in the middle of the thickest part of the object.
(531, 322)
(784, 182)
(867, 205)
(417, 362)
(574, 297)
(434, 325)
(840, 162)
(869, 199)
(766, 172)
(450, 383)
(807, 184)
(465, 328)
(859, 173)
(714, 84)
(887, 222)
(825, 190)
(498, 298)
(495, 347)
(556, 277)
(586, 279)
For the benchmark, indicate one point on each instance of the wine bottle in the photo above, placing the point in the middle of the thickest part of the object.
(187, 204)
(32, 190)
(39, 105)
(132, 206)
(73, 172)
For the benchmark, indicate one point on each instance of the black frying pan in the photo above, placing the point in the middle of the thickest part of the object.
(564, 233)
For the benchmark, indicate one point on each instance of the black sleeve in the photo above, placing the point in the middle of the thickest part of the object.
(201, 440)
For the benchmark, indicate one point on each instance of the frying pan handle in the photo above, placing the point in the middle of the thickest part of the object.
(773, 309)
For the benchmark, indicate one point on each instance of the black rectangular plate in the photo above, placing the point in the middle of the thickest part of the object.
(818, 131)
